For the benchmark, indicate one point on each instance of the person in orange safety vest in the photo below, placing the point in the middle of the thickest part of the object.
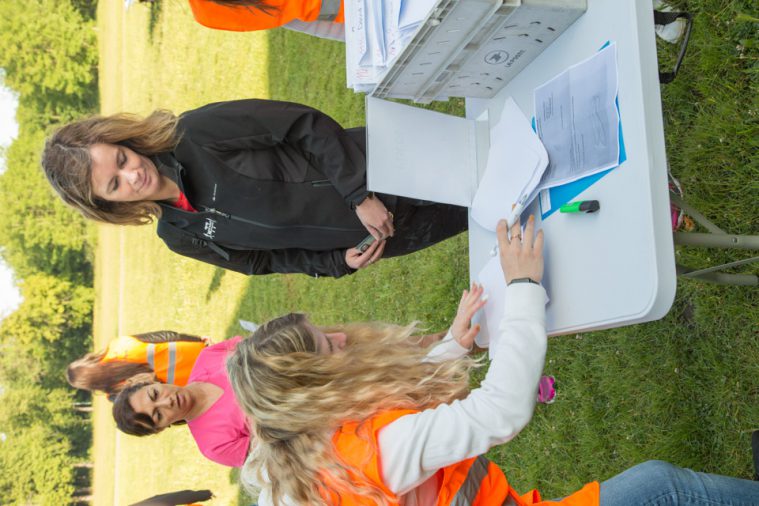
(377, 424)
(165, 356)
(249, 15)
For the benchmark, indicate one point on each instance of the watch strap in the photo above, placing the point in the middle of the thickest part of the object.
(522, 280)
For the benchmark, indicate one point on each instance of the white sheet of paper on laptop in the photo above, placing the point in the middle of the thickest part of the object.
(422, 154)
(516, 162)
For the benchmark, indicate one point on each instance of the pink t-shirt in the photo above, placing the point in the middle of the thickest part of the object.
(221, 433)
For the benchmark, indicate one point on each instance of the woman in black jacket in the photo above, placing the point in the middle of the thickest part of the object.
(255, 186)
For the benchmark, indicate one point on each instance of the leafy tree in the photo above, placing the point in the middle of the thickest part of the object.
(52, 324)
(26, 405)
(49, 52)
(37, 467)
(38, 232)
(87, 8)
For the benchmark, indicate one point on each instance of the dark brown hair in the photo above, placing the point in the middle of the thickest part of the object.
(89, 373)
(127, 419)
(259, 5)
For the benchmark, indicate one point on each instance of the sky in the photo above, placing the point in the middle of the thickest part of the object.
(9, 296)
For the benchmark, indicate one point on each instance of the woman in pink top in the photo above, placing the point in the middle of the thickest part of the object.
(206, 404)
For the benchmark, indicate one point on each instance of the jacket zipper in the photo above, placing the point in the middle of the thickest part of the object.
(321, 182)
(272, 227)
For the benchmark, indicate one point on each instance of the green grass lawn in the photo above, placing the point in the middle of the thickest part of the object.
(683, 389)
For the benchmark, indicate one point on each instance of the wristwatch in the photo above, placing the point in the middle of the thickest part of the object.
(522, 280)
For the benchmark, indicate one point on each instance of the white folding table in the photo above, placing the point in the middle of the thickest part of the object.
(614, 267)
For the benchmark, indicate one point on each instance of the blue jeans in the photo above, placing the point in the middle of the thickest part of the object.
(659, 483)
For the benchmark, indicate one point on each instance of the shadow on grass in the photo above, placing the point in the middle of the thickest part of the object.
(218, 275)
(326, 89)
(156, 9)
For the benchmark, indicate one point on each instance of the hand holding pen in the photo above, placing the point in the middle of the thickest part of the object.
(513, 217)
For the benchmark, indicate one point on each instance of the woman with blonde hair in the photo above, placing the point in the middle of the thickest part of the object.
(375, 424)
(165, 356)
(256, 186)
(208, 406)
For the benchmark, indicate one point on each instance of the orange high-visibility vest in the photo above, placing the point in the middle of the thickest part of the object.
(172, 362)
(474, 482)
(243, 18)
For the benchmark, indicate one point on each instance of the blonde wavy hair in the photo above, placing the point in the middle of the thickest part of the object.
(67, 163)
(298, 398)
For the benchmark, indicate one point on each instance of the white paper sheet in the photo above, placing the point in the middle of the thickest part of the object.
(376, 32)
(360, 78)
(494, 284)
(577, 119)
(413, 12)
(516, 162)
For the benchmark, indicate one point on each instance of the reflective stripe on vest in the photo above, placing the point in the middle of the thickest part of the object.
(468, 491)
(172, 363)
(170, 369)
(329, 10)
(151, 356)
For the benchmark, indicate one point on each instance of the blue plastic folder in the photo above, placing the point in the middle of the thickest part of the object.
(560, 195)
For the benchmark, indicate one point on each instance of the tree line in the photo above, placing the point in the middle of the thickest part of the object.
(48, 51)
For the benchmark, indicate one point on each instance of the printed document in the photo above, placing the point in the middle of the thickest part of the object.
(577, 119)
(516, 162)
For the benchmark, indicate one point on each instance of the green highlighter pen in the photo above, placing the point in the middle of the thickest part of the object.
(584, 206)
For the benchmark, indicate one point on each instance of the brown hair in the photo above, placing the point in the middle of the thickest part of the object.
(89, 373)
(128, 420)
(67, 162)
(260, 5)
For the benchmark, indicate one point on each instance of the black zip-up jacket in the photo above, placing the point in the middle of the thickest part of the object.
(275, 184)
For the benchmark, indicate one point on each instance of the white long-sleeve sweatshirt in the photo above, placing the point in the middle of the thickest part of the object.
(414, 447)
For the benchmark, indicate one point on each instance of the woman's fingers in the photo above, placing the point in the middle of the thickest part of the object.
(538, 246)
(467, 340)
(529, 231)
(501, 232)
(390, 224)
(357, 260)
(516, 231)
(376, 218)
(377, 254)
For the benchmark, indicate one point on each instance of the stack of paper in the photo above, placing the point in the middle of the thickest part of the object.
(516, 162)
(376, 31)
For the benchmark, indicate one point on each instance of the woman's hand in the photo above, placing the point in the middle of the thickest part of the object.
(461, 328)
(376, 218)
(358, 260)
(207, 340)
(521, 257)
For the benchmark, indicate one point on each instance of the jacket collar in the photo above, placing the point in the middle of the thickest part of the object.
(170, 167)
